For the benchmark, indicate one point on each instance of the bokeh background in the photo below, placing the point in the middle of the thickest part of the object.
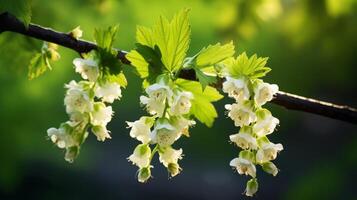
(312, 48)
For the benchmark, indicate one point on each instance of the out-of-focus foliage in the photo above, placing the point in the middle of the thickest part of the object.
(311, 47)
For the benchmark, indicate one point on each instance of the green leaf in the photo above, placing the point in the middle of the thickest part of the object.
(105, 53)
(202, 108)
(214, 54)
(139, 63)
(19, 8)
(38, 65)
(105, 37)
(253, 67)
(173, 39)
(144, 36)
(203, 78)
(119, 78)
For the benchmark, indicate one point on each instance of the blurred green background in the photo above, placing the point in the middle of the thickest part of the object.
(312, 47)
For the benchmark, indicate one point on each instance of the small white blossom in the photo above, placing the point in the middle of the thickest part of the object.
(164, 134)
(236, 88)
(101, 132)
(241, 114)
(77, 99)
(181, 103)
(243, 166)
(61, 137)
(88, 68)
(268, 151)
(244, 140)
(265, 125)
(140, 129)
(170, 155)
(141, 156)
(182, 125)
(159, 94)
(264, 92)
(109, 91)
(101, 114)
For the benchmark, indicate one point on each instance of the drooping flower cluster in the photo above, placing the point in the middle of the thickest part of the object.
(255, 124)
(168, 106)
(85, 103)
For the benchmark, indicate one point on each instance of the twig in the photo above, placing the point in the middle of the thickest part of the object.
(289, 101)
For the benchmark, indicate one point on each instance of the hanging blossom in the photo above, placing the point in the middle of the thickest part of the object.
(255, 124)
(85, 103)
(168, 106)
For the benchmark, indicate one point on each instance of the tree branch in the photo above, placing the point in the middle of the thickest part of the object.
(289, 101)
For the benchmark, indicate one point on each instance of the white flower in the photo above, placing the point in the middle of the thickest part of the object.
(164, 134)
(252, 187)
(144, 174)
(236, 88)
(265, 125)
(268, 151)
(159, 94)
(77, 99)
(140, 129)
(244, 140)
(61, 137)
(109, 91)
(141, 156)
(243, 166)
(101, 114)
(264, 92)
(88, 68)
(101, 132)
(241, 114)
(181, 104)
(170, 155)
(182, 125)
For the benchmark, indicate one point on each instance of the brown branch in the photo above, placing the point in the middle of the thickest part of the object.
(289, 101)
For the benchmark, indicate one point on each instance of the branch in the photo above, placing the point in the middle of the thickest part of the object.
(289, 101)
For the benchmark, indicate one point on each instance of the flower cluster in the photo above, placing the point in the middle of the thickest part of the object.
(255, 124)
(169, 107)
(85, 103)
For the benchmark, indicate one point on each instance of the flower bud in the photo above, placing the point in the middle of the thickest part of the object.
(173, 169)
(71, 153)
(144, 174)
(252, 187)
(270, 168)
(76, 33)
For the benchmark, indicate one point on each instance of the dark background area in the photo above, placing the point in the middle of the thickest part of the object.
(312, 49)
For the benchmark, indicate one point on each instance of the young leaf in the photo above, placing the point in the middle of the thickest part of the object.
(19, 8)
(253, 67)
(202, 108)
(139, 63)
(144, 36)
(173, 39)
(203, 78)
(105, 37)
(38, 65)
(119, 79)
(214, 54)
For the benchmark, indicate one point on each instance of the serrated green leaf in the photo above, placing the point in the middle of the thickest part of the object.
(173, 39)
(19, 8)
(202, 108)
(253, 67)
(139, 63)
(38, 65)
(204, 79)
(214, 54)
(144, 36)
(106, 37)
(120, 79)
